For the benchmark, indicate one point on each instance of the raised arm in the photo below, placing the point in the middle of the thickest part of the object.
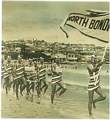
(100, 63)
(92, 68)
(89, 68)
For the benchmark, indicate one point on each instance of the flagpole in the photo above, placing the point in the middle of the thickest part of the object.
(101, 61)
(103, 56)
(104, 53)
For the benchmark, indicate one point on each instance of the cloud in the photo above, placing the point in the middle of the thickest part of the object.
(42, 19)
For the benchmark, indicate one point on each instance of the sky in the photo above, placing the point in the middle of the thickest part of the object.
(41, 20)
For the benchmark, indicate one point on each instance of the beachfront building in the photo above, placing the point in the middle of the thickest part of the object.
(59, 56)
(71, 56)
(62, 58)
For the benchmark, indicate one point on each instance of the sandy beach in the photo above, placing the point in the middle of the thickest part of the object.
(73, 104)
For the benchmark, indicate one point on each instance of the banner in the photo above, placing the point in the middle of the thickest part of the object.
(95, 24)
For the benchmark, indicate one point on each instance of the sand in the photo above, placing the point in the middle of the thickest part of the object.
(73, 104)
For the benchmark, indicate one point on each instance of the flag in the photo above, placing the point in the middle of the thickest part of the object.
(94, 24)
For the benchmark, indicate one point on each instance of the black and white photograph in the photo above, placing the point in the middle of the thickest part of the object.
(55, 59)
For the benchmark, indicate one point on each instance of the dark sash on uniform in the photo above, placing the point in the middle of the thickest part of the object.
(94, 81)
(56, 78)
(31, 74)
(6, 72)
(19, 73)
(57, 75)
(42, 73)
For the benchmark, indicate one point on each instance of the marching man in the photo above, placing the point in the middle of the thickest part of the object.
(94, 83)
(41, 76)
(7, 75)
(19, 77)
(56, 83)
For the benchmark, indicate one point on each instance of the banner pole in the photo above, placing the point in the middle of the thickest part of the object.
(103, 55)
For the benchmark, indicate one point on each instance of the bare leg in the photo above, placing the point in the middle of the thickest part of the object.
(6, 89)
(58, 89)
(62, 89)
(32, 88)
(27, 88)
(22, 89)
(7, 85)
(21, 86)
(39, 91)
(53, 92)
(14, 85)
(90, 94)
(45, 86)
(101, 96)
(17, 90)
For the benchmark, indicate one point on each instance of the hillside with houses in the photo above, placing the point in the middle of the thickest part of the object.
(66, 53)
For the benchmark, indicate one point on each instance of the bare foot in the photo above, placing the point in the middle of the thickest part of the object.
(91, 116)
